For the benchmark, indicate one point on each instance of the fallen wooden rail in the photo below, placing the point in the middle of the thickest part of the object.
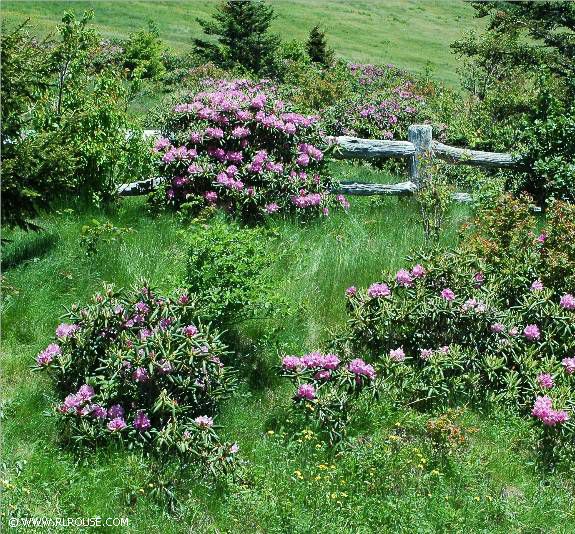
(418, 148)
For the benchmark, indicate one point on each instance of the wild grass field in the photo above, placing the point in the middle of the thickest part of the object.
(408, 33)
(388, 480)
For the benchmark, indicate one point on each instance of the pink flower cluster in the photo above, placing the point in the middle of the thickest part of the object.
(313, 360)
(377, 290)
(359, 368)
(543, 410)
(474, 305)
(203, 421)
(48, 354)
(248, 147)
(569, 365)
(306, 391)
(567, 302)
(65, 330)
(397, 355)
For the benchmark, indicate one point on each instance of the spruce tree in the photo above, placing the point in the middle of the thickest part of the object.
(317, 48)
(241, 30)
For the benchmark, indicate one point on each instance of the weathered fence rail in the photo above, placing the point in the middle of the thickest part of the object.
(419, 147)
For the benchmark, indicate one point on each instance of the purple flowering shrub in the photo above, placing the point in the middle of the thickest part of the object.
(136, 367)
(237, 145)
(442, 330)
(385, 102)
(326, 387)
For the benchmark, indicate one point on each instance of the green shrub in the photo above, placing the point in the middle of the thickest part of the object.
(133, 367)
(227, 271)
(143, 53)
(65, 123)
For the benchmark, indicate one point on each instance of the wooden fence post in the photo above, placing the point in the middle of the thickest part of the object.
(420, 135)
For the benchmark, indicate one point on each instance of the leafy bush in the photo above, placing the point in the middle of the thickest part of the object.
(227, 271)
(64, 123)
(506, 238)
(143, 53)
(458, 325)
(236, 145)
(326, 389)
(135, 368)
(385, 102)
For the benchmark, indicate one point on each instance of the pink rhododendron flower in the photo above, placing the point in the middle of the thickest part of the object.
(272, 207)
(569, 365)
(140, 375)
(360, 368)
(116, 424)
(567, 302)
(65, 330)
(397, 355)
(378, 290)
(190, 330)
(537, 285)
(85, 393)
(532, 332)
(291, 362)
(351, 291)
(204, 421)
(211, 197)
(306, 391)
(479, 278)
(543, 410)
(497, 328)
(418, 271)
(141, 421)
(545, 380)
(425, 354)
(234, 448)
(48, 354)
(403, 278)
(447, 294)
(115, 411)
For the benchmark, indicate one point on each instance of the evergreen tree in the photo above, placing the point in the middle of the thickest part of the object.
(317, 48)
(241, 29)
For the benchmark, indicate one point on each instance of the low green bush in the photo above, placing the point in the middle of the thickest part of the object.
(227, 271)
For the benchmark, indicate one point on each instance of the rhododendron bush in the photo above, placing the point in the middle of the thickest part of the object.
(137, 368)
(325, 388)
(385, 103)
(236, 144)
(442, 331)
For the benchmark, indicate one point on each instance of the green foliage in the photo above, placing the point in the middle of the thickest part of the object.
(434, 198)
(504, 236)
(522, 91)
(227, 271)
(317, 48)
(241, 28)
(143, 53)
(96, 234)
(66, 123)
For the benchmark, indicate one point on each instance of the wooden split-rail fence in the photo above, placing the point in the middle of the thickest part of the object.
(419, 147)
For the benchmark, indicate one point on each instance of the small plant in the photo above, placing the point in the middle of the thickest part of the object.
(136, 368)
(97, 233)
(434, 199)
(227, 272)
(326, 388)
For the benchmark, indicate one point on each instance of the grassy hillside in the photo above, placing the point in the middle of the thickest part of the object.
(408, 33)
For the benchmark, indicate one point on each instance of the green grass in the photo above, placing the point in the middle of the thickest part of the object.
(387, 479)
(409, 33)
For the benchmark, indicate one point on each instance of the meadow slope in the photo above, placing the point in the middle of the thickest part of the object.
(409, 33)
